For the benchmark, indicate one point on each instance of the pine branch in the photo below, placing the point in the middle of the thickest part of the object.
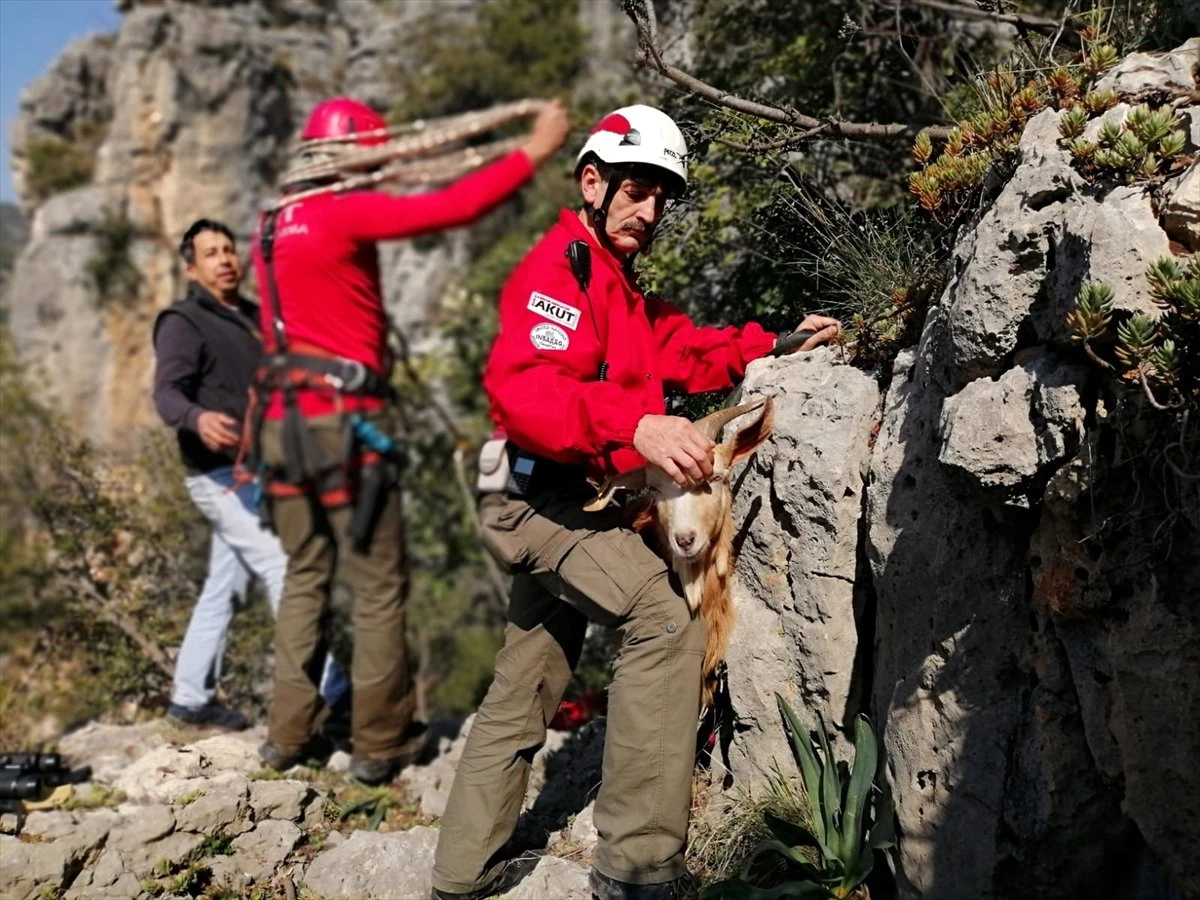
(641, 12)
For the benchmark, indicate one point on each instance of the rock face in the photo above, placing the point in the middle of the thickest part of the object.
(925, 552)
(996, 658)
(1003, 655)
(202, 807)
(799, 501)
(187, 111)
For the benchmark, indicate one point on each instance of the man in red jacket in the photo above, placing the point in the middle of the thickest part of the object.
(576, 381)
(325, 435)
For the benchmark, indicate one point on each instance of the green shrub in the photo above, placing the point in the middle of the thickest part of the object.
(832, 853)
(113, 273)
(54, 165)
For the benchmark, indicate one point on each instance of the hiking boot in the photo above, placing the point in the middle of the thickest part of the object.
(212, 715)
(275, 757)
(380, 769)
(511, 872)
(605, 888)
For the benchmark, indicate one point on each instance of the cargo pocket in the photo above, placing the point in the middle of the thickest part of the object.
(499, 525)
(606, 572)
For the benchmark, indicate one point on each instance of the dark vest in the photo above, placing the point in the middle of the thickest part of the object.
(230, 351)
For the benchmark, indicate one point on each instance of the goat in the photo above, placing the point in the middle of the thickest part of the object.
(693, 526)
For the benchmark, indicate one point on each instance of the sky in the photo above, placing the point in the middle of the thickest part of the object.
(32, 34)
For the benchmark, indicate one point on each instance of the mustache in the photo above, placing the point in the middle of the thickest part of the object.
(635, 226)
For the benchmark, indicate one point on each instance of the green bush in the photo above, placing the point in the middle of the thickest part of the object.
(54, 165)
(832, 853)
(112, 271)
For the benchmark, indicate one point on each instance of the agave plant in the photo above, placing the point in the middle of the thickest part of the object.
(851, 819)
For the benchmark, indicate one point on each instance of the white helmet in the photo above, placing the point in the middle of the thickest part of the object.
(639, 134)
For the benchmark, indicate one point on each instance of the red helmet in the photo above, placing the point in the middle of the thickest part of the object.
(343, 116)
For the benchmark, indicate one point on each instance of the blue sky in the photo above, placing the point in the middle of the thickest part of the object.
(32, 34)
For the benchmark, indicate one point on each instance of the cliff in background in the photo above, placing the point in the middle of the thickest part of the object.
(188, 111)
(952, 546)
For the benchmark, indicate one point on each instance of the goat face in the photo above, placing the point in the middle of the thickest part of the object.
(690, 520)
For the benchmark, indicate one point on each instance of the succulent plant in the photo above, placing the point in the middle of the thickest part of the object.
(1099, 101)
(1171, 145)
(1092, 313)
(922, 148)
(1135, 340)
(1072, 123)
(1110, 132)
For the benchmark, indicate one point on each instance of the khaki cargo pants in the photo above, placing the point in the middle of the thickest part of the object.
(316, 545)
(570, 566)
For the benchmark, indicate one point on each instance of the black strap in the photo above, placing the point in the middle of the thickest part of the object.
(266, 243)
(579, 255)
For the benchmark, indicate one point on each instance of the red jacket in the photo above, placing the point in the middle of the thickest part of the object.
(542, 373)
(327, 266)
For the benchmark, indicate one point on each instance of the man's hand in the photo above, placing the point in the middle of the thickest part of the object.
(549, 132)
(218, 431)
(824, 330)
(674, 445)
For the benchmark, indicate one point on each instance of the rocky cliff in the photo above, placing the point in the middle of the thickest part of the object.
(185, 112)
(952, 546)
(932, 552)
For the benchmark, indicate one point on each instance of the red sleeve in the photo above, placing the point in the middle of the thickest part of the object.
(542, 375)
(375, 216)
(697, 359)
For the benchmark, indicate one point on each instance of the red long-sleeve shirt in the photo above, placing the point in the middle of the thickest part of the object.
(541, 376)
(327, 266)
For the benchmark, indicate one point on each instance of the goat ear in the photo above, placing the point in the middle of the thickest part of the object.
(633, 480)
(746, 439)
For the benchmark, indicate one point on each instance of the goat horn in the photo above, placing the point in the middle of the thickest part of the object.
(633, 480)
(710, 426)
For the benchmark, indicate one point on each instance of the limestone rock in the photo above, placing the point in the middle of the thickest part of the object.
(1181, 209)
(430, 782)
(552, 877)
(1005, 432)
(1142, 73)
(237, 752)
(261, 851)
(223, 803)
(374, 866)
(108, 749)
(142, 825)
(162, 774)
(52, 848)
(799, 503)
(941, 672)
(28, 869)
(175, 849)
(999, 268)
(279, 799)
(583, 832)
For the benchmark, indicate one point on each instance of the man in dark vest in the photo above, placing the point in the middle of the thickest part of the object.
(207, 348)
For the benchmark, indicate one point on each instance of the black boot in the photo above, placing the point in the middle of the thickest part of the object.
(605, 888)
(511, 872)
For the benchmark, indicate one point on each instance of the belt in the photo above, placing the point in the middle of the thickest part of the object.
(348, 376)
(529, 473)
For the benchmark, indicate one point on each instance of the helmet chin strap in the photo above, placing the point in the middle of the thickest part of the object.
(599, 216)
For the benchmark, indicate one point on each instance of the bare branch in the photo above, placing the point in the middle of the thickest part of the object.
(1091, 354)
(641, 12)
(1154, 401)
(963, 10)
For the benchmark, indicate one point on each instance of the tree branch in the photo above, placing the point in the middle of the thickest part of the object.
(1032, 23)
(641, 12)
(1154, 401)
